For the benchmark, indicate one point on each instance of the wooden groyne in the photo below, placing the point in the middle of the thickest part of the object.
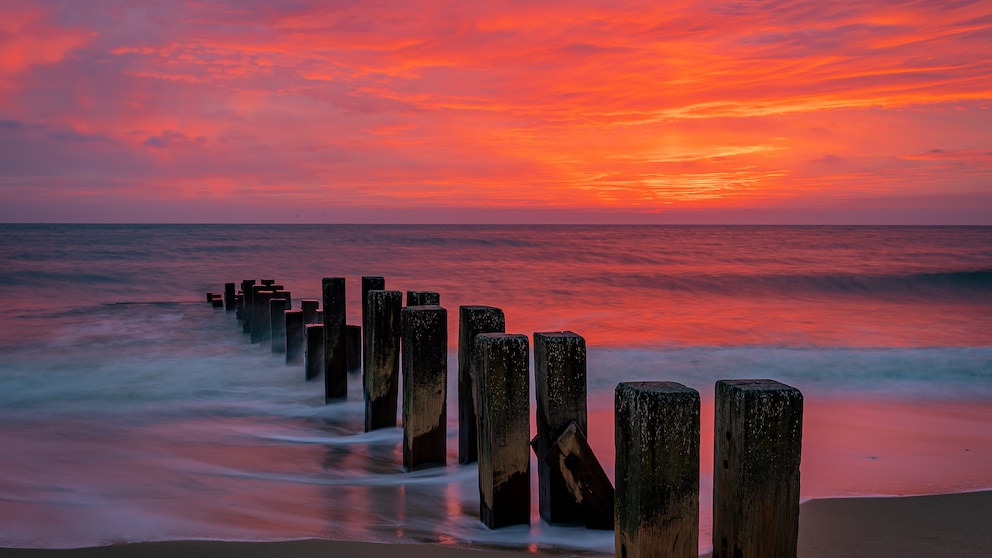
(654, 508)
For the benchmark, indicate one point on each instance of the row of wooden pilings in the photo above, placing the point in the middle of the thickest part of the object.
(654, 508)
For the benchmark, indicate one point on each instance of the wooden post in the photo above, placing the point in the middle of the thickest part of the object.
(217, 301)
(423, 298)
(425, 385)
(287, 296)
(294, 336)
(210, 298)
(239, 306)
(382, 358)
(503, 397)
(309, 308)
(248, 304)
(230, 291)
(314, 356)
(571, 460)
(260, 331)
(353, 339)
(560, 390)
(657, 470)
(472, 320)
(757, 448)
(277, 324)
(335, 347)
(267, 282)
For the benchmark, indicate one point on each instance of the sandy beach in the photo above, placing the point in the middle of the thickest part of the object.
(948, 525)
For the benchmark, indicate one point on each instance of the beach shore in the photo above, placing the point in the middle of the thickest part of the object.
(936, 526)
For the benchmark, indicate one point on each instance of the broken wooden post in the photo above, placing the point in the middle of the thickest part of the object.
(657, 470)
(503, 397)
(571, 460)
(247, 304)
(757, 448)
(560, 390)
(423, 298)
(353, 340)
(294, 336)
(277, 324)
(309, 308)
(382, 358)
(230, 291)
(472, 320)
(425, 385)
(314, 356)
(335, 348)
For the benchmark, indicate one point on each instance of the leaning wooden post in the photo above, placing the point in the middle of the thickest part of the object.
(472, 320)
(425, 385)
(294, 336)
(277, 324)
(247, 304)
(335, 348)
(757, 448)
(503, 387)
(314, 356)
(560, 389)
(657, 470)
(382, 358)
(423, 298)
(309, 308)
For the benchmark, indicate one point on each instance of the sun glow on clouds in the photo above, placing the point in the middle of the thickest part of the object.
(580, 105)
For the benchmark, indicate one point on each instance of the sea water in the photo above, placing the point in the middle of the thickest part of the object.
(131, 410)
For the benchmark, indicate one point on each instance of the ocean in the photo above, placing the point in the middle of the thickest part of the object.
(131, 410)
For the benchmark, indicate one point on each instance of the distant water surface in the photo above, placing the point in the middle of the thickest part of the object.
(132, 410)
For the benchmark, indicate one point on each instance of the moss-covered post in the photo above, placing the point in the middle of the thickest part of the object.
(757, 448)
(309, 308)
(425, 385)
(503, 397)
(382, 358)
(657, 470)
(294, 336)
(423, 298)
(277, 323)
(314, 356)
(335, 346)
(560, 390)
(230, 290)
(472, 320)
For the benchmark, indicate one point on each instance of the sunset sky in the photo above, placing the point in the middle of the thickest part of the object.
(555, 111)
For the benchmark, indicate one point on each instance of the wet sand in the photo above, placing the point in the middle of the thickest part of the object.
(949, 525)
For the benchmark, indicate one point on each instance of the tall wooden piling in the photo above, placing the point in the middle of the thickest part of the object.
(382, 358)
(657, 470)
(560, 389)
(757, 449)
(230, 291)
(369, 283)
(277, 324)
(353, 340)
(423, 298)
(503, 397)
(425, 386)
(314, 356)
(247, 305)
(260, 323)
(335, 347)
(472, 320)
(309, 308)
(294, 336)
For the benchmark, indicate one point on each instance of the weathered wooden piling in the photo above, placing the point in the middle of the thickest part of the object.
(260, 324)
(287, 296)
(503, 397)
(353, 340)
(239, 306)
(472, 320)
(335, 346)
(248, 304)
(757, 449)
(425, 370)
(210, 298)
(277, 324)
(314, 356)
(560, 390)
(309, 308)
(382, 358)
(369, 283)
(230, 291)
(423, 298)
(571, 460)
(294, 336)
(217, 301)
(657, 470)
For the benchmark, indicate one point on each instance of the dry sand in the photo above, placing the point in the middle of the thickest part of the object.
(953, 525)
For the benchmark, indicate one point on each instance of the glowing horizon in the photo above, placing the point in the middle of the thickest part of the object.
(249, 111)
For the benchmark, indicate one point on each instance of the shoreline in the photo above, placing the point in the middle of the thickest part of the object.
(941, 525)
